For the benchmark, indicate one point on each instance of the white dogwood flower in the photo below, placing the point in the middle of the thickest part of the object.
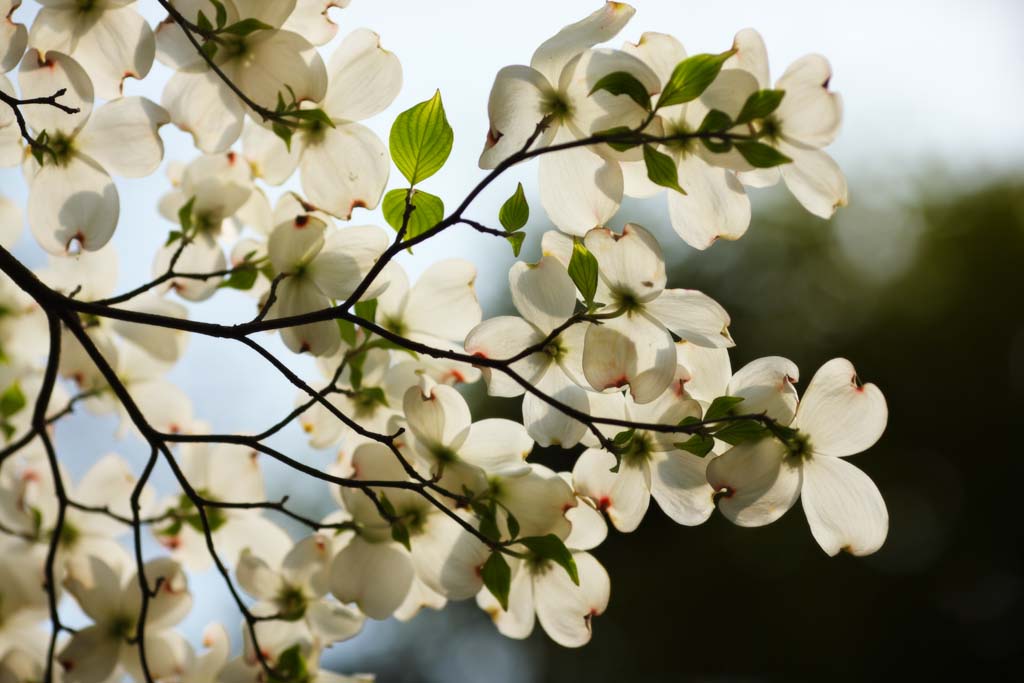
(837, 417)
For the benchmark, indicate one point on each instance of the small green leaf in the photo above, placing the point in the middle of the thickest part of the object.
(737, 432)
(367, 310)
(428, 211)
(421, 140)
(721, 407)
(172, 237)
(210, 48)
(759, 105)
(489, 522)
(290, 667)
(717, 145)
(497, 577)
(284, 132)
(715, 122)
(247, 26)
(698, 444)
(222, 13)
(400, 534)
(624, 83)
(203, 22)
(371, 396)
(760, 155)
(619, 131)
(623, 438)
(691, 78)
(8, 430)
(513, 525)
(241, 278)
(386, 506)
(551, 548)
(515, 211)
(348, 331)
(315, 115)
(516, 239)
(12, 400)
(185, 215)
(661, 169)
(583, 271)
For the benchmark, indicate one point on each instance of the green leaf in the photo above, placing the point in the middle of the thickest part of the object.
(623, 438)
(489, 521)
(185, 216)
(698, 444)
(290, 667)
(386, 506)
(691, 78)
(371, 396)
(210, 48)
(247, 26)
(515, 211)
(718, 146)
(497, 577)
(516, 239)
(513, 525)
(284, 132)
(737, 432)
(315, 115)
(421, 140)
(760, 155)
(172, 237)
(619, 131)
(367, 310)
(222, 13)
(203, 22)
(348, 331)
(715, 121)
(661, 169)
(721, 407)
(624, 83)
(759, 105)
(241, 278)
(551, 548)
(12, 400)
(428, 211)
(583, 271)
(400, 534)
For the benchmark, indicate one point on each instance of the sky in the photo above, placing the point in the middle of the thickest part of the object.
(929, 88)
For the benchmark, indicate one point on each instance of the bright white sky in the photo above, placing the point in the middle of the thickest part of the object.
(926, 84)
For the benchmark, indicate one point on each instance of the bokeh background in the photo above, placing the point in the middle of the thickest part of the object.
(918, 282)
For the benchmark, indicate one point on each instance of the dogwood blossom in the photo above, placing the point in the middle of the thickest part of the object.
(837, 417)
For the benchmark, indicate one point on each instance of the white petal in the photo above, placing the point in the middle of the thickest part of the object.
(566, 610)
(198, 256)
(843, 507)
(200, 104)
(766, 386)
(630, 263)
(679, 485)
(346, 258)
(840, 416)
(438, 416)
(76, 202)
(497, 446)
(815, 179)
(256, 578)
(751, 56)
(715, 204)
(311, 20)
(276, 61)
(539, 501)
(296, 296)
(809, 114)
(516, 622)
(443, 301)
(295, 243)
(631, 349)
(91, 654)
(542, 292)
(110, 483)
(171, 603)
(589, 529)
(708, 371)
(504, 337)
(759, 481)
(271, 157)
(547, 424)
(122, 136)
(348, 168)
(625, 495)
(94, 584)
(517, 104)
(364, 77)
(333, 622)
(447, 558)
(41, 77)
(578, 189)
(168, 654)
(592, 113)
(659, 51)
(13, 38)
(12, 223)
(554, 53)
(694, 316)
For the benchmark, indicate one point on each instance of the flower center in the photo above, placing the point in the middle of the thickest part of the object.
(557, 106)
(291, 603)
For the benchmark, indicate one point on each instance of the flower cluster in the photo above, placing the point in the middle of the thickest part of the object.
(631, 376)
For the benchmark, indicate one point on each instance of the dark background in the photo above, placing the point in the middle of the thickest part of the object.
(922, 294)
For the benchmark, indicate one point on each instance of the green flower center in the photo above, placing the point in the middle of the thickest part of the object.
(291, 603)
